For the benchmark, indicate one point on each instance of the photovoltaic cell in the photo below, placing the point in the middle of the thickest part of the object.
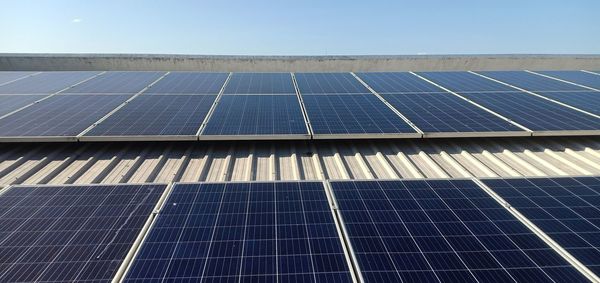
(157, 115)
(533, 112)
(257, 115)
(189, 83)
(45, 83)
(566, 209)
(584, 100)
(395, 82)
(71, 233)
(442, 231)
(9, 103)
(445, 112)
(6, 77)
(117, 82)
(530, 82)
(260, 83)
(464, 82)
(329, 83)
(60, 115)
(243, 232)
(352, 114)
(578, 77)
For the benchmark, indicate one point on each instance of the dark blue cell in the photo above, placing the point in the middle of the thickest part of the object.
(260, 83)
(8, 77)
(117, 82)
(396, 82)
(9, 103)
(189, 83)
(585, 100)
(530, 82)
(46, 82)
(578, 77)
(464, 82)
(329, 83)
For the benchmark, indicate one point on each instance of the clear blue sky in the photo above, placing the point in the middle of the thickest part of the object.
(315, 27)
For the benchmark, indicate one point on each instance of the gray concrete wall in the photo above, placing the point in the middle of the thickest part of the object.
(47, 62)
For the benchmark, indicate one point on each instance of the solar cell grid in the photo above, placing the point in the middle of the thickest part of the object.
(566, 209)
(329, 83)
(441, 231)
(117, 82)
(260, 83)
(585, 100)
(395, 82)
(71, 233)
(530, 82)
(445, 113)
(578, 77)
(189, 83)
(59, 115)
(464, 82)
(7, 77)
(9, 103)
(46, 83)
(352, 114)
(257, 115)
(157, 115)
(259, 232)
(534, 112)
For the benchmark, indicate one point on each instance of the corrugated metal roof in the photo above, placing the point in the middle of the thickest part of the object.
(135, 162)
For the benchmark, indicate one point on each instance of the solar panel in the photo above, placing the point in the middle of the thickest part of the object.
(441, 231)
(584, 100)
(45, 83)
(533, 112)
(7, 77)
(578, 77)
(530, 82)
(60, 115)
(329, 83)
(157, 115)
(260, 83)
(9, 103)
(117, 82)
(190, 83)
(243, 232)
(446, 113)
(566, 209)
(256, 115)
(71, 233)
(464, 82)
(352, 114)
(394, 82)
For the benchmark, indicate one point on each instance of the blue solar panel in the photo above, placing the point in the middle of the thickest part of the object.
(46, 83)
(190, 83)
(464, 82)
(444, 112)
(584, 100)
(329, 83)
(157, 115)
(243, 232)
(257, 115)
(442, 231)
(566, 209)
(9, 103)
(352, 114)
(260, 83)
(533, 112)
(578, 77)
(117, 82)
(60, 115)
(7, 77)
(531, 82)
(71, 233)
(397, 83)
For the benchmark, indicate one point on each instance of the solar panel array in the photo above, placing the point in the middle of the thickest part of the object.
(156, 106)
(71, 233)
(566, 209)
(250, 232)
(449, 230)
(442, 231)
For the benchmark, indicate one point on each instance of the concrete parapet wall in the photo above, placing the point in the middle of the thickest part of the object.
(134, 62)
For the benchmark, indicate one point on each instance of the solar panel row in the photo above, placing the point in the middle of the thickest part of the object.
(254, 105)
(396, 231)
